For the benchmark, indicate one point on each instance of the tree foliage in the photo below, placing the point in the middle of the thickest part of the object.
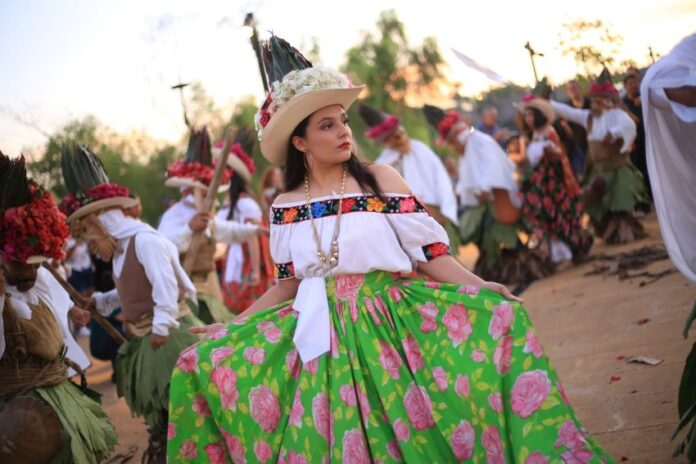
(591, 44)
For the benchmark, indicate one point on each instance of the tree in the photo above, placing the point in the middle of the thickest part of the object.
(591, 44)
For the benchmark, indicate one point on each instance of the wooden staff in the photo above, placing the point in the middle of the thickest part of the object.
(209, 201)
(80, 301)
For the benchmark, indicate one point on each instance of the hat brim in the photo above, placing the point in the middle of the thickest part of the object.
(275, 136)
(114, 202)
(36, 259)
(542, 105)
(178, 182)
(234, 163)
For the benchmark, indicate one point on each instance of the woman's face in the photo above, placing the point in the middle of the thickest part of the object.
(328, 138)
(529, 118)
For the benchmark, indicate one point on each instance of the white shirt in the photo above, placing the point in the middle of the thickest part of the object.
(174, 226)
(79, 259)
(425, 175)
(48, 290)
(246, 210)
(483, 167)
(614, 121)
(670, 144)
(368, 241)
(159, 258)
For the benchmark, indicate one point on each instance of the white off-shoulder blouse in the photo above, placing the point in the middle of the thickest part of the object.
(392, 235)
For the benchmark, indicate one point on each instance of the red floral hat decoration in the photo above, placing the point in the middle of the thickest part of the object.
(197, 168)
(32, 229)
(240, 159)
(382, 125)
(603, 86)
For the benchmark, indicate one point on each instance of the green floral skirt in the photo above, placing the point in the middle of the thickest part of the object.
(418, 372)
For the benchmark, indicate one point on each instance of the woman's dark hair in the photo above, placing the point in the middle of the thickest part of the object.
(294, 173)
(539, 119)
(237, 187)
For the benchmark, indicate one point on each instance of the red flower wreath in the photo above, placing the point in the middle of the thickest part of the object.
(447, 123)
(385, 127)
(196, 171)
(244, 156)
(71, 203)
(36, 228)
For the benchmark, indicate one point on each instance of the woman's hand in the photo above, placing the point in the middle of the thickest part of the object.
(208, 330)
(502, 290)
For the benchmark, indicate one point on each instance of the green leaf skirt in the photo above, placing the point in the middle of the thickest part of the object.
(418, 372)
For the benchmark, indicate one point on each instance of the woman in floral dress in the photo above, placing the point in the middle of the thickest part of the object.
(345, 359)
(552, 205)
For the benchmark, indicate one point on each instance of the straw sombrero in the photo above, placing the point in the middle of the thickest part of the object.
(239, 159)
(196, 169)
(298, 91)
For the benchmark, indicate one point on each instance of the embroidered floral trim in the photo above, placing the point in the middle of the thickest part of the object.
(435, 250)
(284, 271)
(367, 203)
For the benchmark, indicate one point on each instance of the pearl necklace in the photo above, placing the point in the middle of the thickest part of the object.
(327, 260)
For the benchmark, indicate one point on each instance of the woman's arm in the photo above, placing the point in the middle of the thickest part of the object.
(446, 269)
(283, 290)
(255, 258)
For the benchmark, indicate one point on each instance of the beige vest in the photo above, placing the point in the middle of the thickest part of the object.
(134, 288)
(205, 258)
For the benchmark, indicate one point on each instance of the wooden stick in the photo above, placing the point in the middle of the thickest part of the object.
(208, 203)
(81, 302)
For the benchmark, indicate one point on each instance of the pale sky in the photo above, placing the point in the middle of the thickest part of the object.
(117, 59)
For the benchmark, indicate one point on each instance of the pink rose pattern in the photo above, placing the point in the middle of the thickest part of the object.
(406, 363)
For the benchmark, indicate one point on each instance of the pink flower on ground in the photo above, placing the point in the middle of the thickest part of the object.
(463, 440)
(390, 359)
(577, 456)
(529, 392)
(292, 359)
(395, 294)
(225, 379)
(468, 290)
(536, 458)
(171, 430)
(457, 322)
(461, 385)
(401, 430)
(347, 394)
(502, 320)
(394, 450)
(264, 408)
(569, 436)
(296, 458)
(502, 357)
(216, 453)
(220, 354)
(219, 333)
(429, 314)
(493, 446)
(347, 286)
(495, 400)
(188, 449)
(532, 345)
(440, 376)
(200, 406)
(188, 360)
(296, 411)
(273, 335)
(235, 448)
(262, 451)
(413, 354)
(354, 448)
(311, 366)
(322, 415)
(255, 356)
(478, 356)
(419, 407)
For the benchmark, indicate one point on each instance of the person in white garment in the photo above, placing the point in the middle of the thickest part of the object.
(418, 164)
(179, 223)
(248, 271)
(488, 195)
(668, 95)
(38, 354)
(152, 289)
(614, 185)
